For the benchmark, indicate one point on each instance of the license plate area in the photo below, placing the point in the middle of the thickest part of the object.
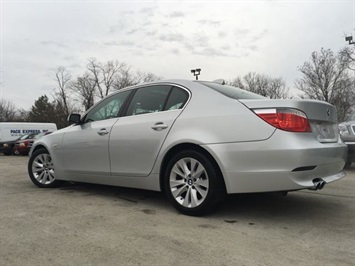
(325, 132)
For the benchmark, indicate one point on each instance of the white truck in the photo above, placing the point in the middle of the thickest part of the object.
(10, 131)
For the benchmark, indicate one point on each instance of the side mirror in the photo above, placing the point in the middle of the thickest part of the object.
(74, 118)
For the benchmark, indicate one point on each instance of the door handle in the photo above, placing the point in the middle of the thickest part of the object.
(102, 132)
(159, 126)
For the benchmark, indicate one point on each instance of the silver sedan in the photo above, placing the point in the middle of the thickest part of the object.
(195, 141)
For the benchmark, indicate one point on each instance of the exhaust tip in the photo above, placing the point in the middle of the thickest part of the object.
(322, 184)
(318, 184)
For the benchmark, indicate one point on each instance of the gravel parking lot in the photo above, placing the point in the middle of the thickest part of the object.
(82, 224)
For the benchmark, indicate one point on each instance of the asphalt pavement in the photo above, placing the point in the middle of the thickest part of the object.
(83, 224)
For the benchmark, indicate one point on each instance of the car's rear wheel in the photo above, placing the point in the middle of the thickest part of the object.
(348, 165)
(41, 169)
(192, 184)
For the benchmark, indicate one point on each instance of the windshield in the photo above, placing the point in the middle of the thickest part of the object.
(39, 135)
(232, 92)
(31, 136)
(23, 137)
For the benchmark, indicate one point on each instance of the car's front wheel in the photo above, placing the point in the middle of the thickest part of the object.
(192, 183)
(8, 152)
(41, 169)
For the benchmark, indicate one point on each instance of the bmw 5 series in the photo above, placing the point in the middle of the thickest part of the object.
(195, 141)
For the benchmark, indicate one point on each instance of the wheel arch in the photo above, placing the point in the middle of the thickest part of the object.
(40, 146)
(187, 146)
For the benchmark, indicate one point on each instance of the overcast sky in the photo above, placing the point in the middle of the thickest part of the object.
(168, 38)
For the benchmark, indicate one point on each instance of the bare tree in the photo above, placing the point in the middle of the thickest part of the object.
(7, 111)
(143, 77)
(97, 82)
(326, 77)
(274, 88)
(62, 91)
(124, 79)
(84, 87)
(347, 54)
(22, 115)
(128, 78)
(109, 73)
(277, 88)
(345, 101)
(104, 75)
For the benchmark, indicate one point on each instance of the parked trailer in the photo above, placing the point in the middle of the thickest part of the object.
(10, 131)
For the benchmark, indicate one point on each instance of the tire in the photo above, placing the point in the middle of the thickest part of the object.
(7, 152)
(41, 169)
(192, 184)
(348, 165)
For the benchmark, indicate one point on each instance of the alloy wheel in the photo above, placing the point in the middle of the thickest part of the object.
(42, 169)
(189, 182)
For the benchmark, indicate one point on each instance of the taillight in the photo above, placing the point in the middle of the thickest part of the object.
(286, 119)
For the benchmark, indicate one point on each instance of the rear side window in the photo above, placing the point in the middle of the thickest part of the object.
(148, 100)
(177, 99)
(232, 92)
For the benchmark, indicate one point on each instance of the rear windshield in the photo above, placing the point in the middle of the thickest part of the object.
(232, 92)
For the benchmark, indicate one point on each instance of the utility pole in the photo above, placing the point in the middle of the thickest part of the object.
(196, 72)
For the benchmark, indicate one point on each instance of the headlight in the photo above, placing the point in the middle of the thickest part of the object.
(5, 145)
(343, 130)
(22, 144)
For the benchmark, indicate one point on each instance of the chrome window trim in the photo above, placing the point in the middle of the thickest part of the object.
(136, 87)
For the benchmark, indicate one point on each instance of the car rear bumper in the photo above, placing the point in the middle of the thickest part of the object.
(285, 162)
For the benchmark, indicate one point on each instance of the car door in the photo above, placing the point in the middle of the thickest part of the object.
(137, 137)
(84, 148)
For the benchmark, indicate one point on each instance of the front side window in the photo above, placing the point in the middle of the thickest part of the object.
(108, 108)
(148, 100)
